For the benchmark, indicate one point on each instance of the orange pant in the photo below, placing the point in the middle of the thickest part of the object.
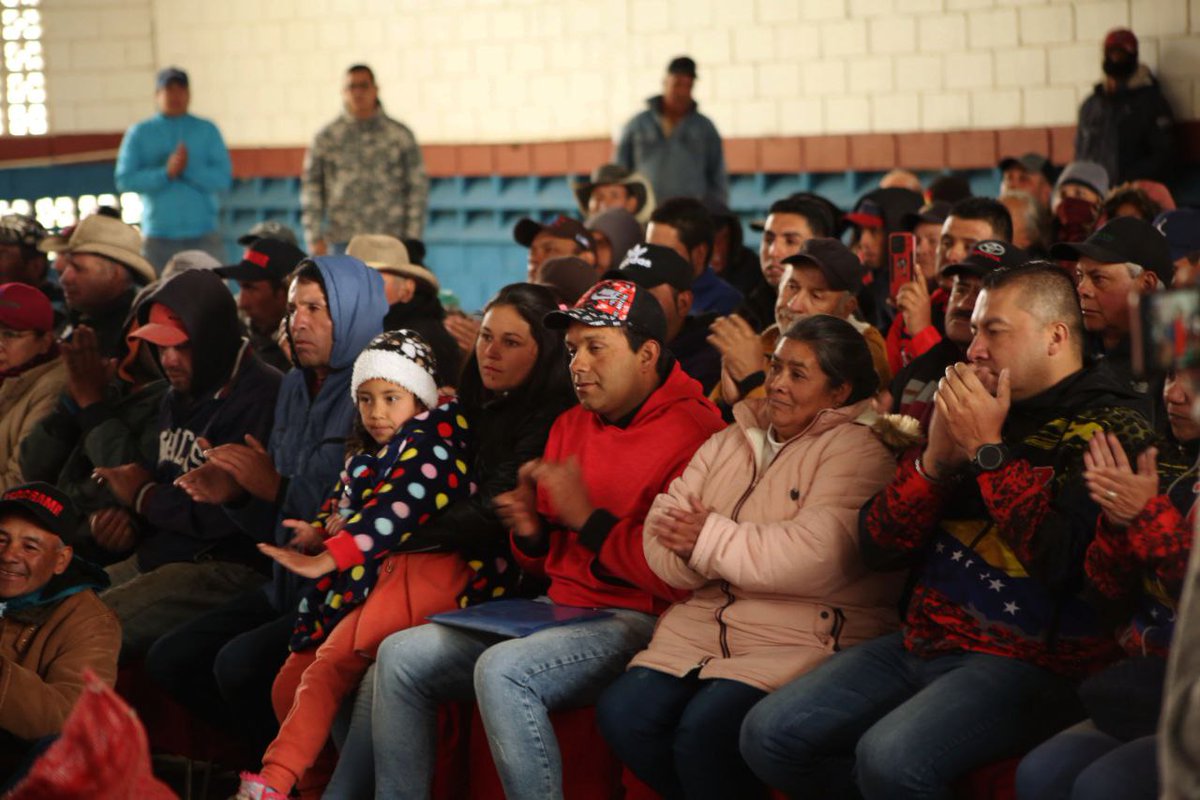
(310, 688)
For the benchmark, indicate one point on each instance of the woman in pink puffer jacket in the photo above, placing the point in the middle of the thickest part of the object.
(763, 528)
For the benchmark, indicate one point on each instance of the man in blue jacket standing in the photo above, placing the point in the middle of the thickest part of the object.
(221, 665)
(177, 163)
(675, 146)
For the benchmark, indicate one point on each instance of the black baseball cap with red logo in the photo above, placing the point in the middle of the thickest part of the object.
(988, 256)
(615, 304)
(44, 505)
(265, 260)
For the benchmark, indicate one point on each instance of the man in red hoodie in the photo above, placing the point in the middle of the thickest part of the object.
(576, 517)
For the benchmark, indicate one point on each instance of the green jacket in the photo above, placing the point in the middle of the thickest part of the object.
(69, 443)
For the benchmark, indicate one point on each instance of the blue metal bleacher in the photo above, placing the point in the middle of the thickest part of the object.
(468, 232)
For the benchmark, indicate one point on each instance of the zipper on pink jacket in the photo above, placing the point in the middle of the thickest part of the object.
(722, 629)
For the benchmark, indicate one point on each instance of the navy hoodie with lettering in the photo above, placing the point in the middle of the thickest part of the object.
(233, 393)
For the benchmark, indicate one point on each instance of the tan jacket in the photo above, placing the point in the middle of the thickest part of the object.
(24, 400)
(778, 583)
(43, 653)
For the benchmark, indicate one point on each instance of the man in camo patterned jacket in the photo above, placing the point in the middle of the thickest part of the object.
(363, 174)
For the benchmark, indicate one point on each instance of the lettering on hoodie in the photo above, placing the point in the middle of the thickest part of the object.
(179, 446)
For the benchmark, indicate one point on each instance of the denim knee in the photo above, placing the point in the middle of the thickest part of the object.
(503, 663)
(763, 745)
(882, 761)
(407, 657)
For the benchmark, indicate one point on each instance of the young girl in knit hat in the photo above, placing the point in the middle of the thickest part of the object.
(407, 460)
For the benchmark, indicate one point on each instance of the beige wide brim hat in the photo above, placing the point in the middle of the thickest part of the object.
(388, 254)
(104, 236)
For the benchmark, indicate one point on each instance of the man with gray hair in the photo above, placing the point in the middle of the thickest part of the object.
(100, 267)
(1125, 256)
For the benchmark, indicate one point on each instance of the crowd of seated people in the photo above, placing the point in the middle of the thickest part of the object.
(799, 525)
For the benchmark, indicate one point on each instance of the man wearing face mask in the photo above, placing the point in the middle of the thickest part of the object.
(1126, 124)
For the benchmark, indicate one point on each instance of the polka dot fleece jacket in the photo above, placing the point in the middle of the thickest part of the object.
(384, 497)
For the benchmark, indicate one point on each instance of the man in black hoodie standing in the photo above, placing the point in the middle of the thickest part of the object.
(1125, 124)
(190, 556)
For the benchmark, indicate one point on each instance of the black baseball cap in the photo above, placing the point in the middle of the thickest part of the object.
(1124, 239)
(988, 256)
(840, 267)
(934, 212)
(266, 259)
(614, 304)
(46, 506)
(562, 227)
(650, 265)
(1030, 162)
(682, 65)
(268, 229)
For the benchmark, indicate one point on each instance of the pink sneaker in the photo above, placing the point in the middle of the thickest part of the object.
(253, 788)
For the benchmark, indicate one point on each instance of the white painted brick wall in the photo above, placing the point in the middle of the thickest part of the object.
(897, 112)
(502, 70)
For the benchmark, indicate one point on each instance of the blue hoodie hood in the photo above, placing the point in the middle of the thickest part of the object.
(309, 437)
(357, 304)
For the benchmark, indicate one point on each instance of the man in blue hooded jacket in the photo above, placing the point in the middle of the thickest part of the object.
(221, 665)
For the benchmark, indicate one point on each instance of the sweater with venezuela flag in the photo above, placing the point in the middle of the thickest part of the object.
(1000, 555)
(624, 468)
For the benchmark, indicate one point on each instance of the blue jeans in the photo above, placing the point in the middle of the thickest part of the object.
(879, 721)
(1082, 763)
(680, 735)
(515, 682)
(158, 250)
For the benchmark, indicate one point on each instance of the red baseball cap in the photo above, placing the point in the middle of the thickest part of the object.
(24, 308)
(164, 328)
(1121, 39)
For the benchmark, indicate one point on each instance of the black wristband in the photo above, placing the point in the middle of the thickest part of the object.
(751, 382)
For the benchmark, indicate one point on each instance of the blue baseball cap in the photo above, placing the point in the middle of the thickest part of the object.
(170, 75)
(1182, 229)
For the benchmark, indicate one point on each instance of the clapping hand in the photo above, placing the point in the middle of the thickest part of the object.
(249, 464)
(302, 565)
(518, 507)
(678, 529)
(1120, 492)
(87, 373)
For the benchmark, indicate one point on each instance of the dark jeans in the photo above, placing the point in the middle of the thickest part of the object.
(880, 722)
(680, 735)
(1082, 763)
(221, 665)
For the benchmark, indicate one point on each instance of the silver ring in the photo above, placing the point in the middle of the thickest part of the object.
(1111, 494)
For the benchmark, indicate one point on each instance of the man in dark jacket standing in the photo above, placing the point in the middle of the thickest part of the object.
(190, 556)
(1125, 124)
(675, 146)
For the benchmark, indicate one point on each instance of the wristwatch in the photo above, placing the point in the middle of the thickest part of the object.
(990, 457)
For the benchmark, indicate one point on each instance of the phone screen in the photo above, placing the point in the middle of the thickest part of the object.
(902, 248)
(1166, 331)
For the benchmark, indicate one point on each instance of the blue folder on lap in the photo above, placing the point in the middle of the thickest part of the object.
(515, 618)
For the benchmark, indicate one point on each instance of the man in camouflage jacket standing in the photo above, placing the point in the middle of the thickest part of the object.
(363, 173)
